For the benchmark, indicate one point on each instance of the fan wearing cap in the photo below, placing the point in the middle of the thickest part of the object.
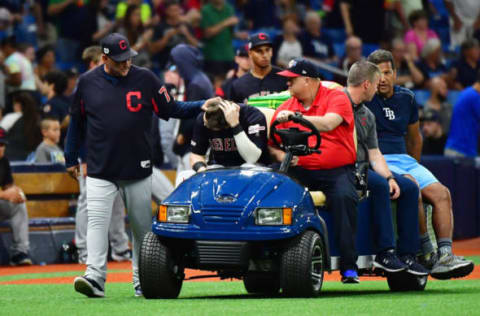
(262, 78)
(112, 111)
(243, 67)
(434, 138)
(13, 208)
(332, 170)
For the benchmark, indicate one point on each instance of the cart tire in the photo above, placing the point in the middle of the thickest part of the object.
(160, 275)
(302, 266)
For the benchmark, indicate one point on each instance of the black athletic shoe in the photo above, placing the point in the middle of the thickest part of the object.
(21, 259)
(414, 267)
(88, 287)
(389, 262)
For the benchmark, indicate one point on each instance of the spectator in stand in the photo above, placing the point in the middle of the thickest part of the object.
(169, 33)
(465, 69)
(431, 64)
(91, 56)
(45, 57)
(58, 103)
(243, 67)
(316, 44)
(218, 22)
(438, 102)
(286, 8)
(419, 35)
(133, 29)
(262, 78)
(76, 24)
(353, 53)
(144, 6)
(464, 20)
(287, 46)
(72, 77)
(255, 21)
(17, 67)
(434, 137)
(408, 75)
(364, 18)
(13, 208)
(465, 125)
(48, 150)
(105, 24)
(22, 127)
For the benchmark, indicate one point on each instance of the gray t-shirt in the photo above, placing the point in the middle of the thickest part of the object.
(366, 131)
(49, 153)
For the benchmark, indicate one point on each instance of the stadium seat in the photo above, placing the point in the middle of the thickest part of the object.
(453, 96)
(339, 49)
(336, 35)
(421, 96)
(369, 48)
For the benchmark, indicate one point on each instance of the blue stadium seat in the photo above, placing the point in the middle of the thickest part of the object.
(421, 96)
(339, 49)
(336, 35)
(369, 48)
(453, 96)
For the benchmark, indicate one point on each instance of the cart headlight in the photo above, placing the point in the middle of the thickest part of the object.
(273, 216)
(174, 214)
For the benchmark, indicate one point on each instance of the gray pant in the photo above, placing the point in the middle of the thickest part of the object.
(116, 232)
(161, 186)
(17, 214)
(136, 195)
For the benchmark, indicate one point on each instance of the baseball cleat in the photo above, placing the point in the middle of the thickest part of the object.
(88, 287)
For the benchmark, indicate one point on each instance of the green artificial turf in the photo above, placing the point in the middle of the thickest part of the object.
(458, 297)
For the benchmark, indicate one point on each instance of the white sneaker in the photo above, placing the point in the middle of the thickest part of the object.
(122, 256)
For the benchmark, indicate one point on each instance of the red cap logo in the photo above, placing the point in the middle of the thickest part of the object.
(122, 44)
(262, 36)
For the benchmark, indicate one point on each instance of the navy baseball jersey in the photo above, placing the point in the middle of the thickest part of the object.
(247, 85)
(223, 149)
(393, 115)
(114, 116)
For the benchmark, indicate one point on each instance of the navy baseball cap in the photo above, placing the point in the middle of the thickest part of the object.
(3, 136)
(242, 51)
(117, 47)
(300, 67)
(258, 40)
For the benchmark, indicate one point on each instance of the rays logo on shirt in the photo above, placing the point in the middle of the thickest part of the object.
(389, 114)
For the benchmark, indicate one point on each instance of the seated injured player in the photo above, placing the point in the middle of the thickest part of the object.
(235, 134)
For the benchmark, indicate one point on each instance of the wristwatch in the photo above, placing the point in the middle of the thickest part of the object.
(390, 178)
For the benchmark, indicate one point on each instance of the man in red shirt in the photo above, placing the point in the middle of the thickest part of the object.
(332, 171)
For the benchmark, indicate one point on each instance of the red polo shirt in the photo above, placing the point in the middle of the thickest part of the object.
(337, 146)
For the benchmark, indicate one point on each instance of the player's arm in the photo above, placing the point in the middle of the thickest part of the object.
(249, 151)
(199, 145)
(75, 133)
(379, 165)
(414, 140)
(347, 21)
(198, 162)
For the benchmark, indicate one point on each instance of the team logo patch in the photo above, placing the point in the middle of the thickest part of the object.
(292, 63)
(389, 113)
(47, 108)
(255, 129)
(106, 51)
(145, 164)
(193, 143)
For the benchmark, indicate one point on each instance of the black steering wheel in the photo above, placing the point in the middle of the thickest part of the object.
(295, 140)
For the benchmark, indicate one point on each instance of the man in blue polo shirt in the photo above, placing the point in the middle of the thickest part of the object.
(465, 124)
(396, 114)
